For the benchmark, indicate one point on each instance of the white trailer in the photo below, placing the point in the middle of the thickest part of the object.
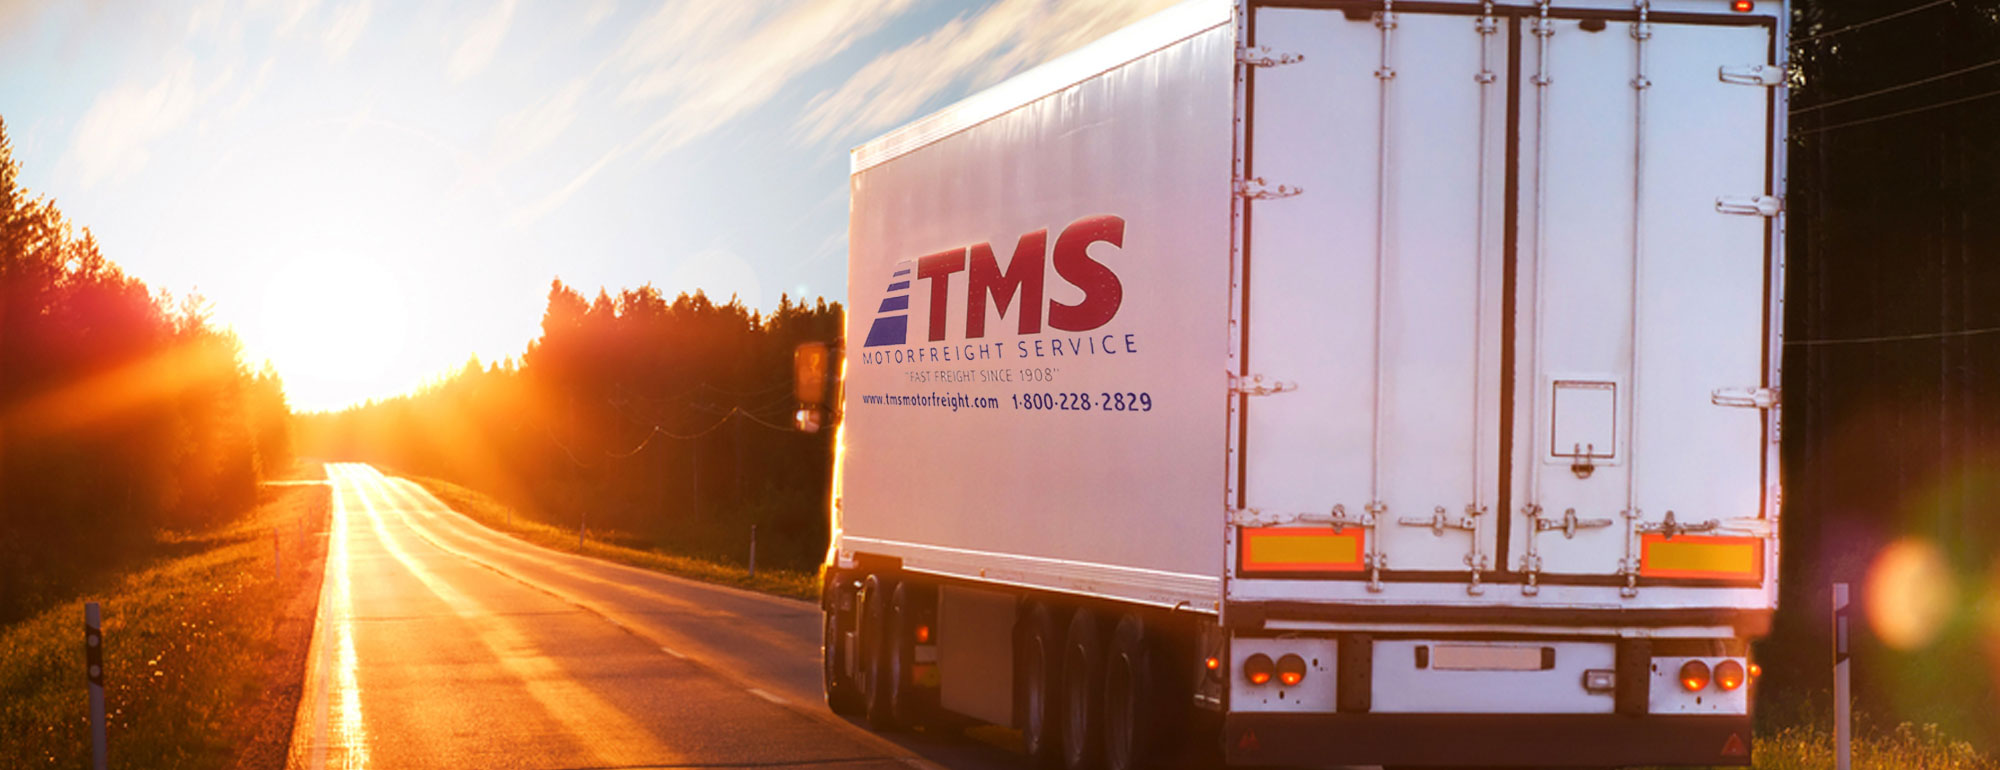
(1338, 382)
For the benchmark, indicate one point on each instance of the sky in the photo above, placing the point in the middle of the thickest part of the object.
(372, 192)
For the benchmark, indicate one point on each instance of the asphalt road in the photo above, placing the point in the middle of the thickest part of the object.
(443, 644)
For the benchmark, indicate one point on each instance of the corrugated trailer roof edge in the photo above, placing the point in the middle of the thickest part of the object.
(1127, 44)
(1122, 47)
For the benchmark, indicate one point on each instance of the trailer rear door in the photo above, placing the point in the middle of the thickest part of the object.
(1376, 292)
(1644, 296)
(1585, 233)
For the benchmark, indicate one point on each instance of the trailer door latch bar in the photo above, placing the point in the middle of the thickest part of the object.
(1668, 527)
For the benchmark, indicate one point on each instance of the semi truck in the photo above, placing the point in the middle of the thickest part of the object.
(1313, 382)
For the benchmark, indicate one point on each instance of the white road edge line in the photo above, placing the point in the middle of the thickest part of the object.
(769, 697)
(673, 652)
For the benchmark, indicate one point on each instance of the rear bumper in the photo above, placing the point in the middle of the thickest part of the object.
(1550, 740)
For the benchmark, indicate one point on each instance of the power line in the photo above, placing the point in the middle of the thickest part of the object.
(748, 415)
(1900, 113)
(1871, 22)
(760, 421)
(1894, 88)
(1898, 337)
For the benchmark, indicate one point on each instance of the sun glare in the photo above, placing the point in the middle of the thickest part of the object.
(1910, 594)
(333, 326)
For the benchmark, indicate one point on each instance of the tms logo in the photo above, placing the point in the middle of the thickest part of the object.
(1025, 277)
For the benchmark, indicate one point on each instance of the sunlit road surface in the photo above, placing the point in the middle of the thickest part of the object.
(441, 644)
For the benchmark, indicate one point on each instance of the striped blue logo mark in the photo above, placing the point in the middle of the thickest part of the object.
(893, 329)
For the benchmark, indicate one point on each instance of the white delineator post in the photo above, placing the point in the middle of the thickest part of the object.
(93, 657)
(1842, 719)
(277, 554)
(753, 550)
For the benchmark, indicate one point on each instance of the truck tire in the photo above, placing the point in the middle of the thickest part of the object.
(843, 694)
(1082, 708)
(1040, 660)
(875, 675)
(1133, 720)
(909, 703)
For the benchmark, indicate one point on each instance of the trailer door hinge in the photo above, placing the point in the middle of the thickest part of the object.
(1262, 56)
(1748, 205)
(1256, 385)
(1751, 74)
(1255, 188)
(1748, 398)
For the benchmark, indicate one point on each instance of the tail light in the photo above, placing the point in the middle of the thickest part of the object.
(1742, 6)
(1213, 663)
(1291, 670)
(1694, 675)
(1257, 668)
(1728, 675)
(923, 634)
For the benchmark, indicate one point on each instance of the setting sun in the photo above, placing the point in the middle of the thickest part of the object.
(333, 327)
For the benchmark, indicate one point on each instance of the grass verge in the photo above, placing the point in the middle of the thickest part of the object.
(500, 517)
(200, 647)
(1809, 746)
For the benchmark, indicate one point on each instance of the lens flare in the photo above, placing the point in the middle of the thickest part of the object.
(1910, 594)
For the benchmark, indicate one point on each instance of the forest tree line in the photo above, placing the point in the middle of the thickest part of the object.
(123, 411)
(1891, 390)
(659, 422)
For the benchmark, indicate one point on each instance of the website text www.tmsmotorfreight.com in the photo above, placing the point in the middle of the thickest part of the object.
(1066, 402)
(952, 401)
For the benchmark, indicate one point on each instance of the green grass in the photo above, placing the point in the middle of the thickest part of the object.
(500, 517)
(1904, 747)
(188, 642)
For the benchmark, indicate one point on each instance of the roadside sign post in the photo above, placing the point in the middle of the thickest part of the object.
(753, 550)
(277, 554)
(1842, 719)
(93, 657)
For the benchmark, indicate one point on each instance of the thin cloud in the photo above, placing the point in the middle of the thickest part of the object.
(111, 139)
(251, 92)
(482, 41)
(524, 133)
(973, 51)
(597, 13)
(293, 12)
(555, 200)
(718, 61)
(345, 29)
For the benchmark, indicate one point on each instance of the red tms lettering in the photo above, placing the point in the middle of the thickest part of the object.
(937, 269)
(1102, 293)
(1024, 274)
(1025, 277)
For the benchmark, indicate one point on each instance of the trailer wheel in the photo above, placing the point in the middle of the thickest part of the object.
(843, 694)
(1082, 671)
(875, 674)
(909, 702)
(1040, 661)
(1132, 715)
